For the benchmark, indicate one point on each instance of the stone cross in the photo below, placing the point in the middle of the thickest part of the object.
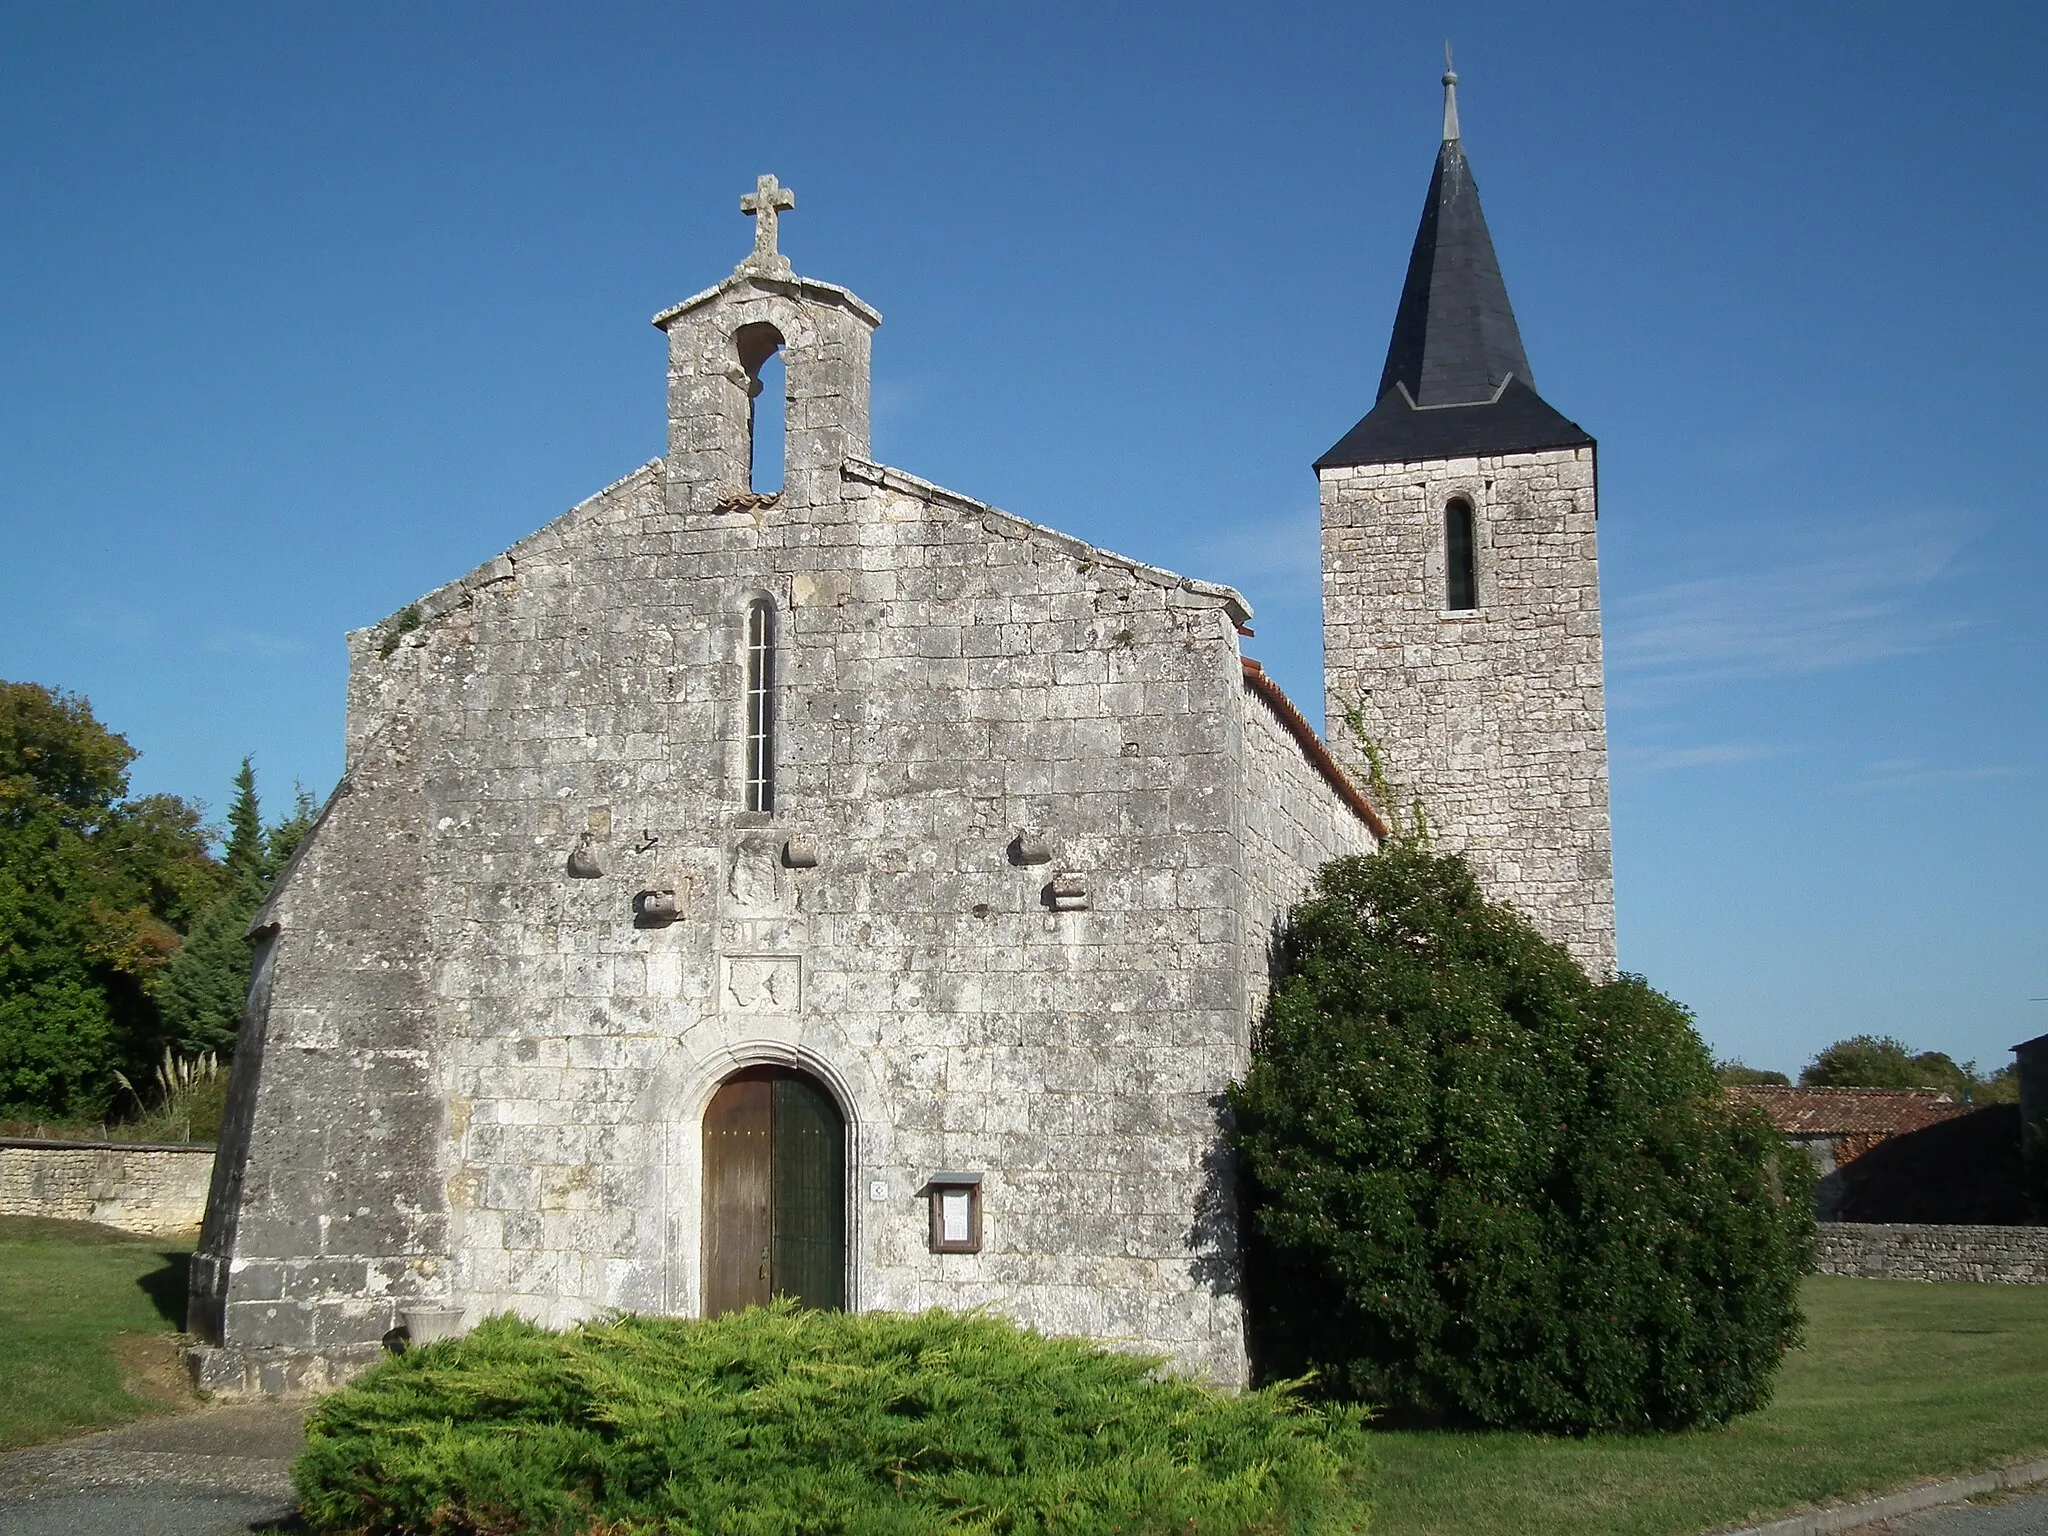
(765, 203)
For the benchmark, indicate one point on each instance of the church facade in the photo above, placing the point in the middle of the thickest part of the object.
(853, 891)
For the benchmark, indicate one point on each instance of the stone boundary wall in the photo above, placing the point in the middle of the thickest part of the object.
(137, 1187)
(2002, 1255)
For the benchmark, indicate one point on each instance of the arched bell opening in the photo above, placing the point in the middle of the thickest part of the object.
(760, 350)
(774, 1192)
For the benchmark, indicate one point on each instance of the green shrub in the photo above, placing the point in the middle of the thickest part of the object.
(780, 1421)
(1483, 1188)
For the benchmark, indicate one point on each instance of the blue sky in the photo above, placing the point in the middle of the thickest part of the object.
(305, 311)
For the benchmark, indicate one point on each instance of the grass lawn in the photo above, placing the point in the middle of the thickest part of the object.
(85, 1315)
(1898, 1382)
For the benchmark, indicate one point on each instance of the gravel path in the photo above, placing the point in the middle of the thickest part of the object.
(208, 1473)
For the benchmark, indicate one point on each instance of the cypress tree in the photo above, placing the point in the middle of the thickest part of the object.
(202, 993)
(1484, 1187)
(243, 856)
(281, 840)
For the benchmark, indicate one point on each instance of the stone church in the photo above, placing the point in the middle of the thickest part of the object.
(849, 890)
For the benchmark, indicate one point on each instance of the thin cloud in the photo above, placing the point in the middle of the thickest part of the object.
(115, 625)
(1668, 759)
(254, 644)
(894, 399)
(1849, 609)
(1283, 554)
(1894, 774)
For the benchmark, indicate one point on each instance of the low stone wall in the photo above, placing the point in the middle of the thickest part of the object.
(2006, 1255)
(138, 1188)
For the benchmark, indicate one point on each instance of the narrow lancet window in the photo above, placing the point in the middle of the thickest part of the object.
(760, 705)
(1461, 573)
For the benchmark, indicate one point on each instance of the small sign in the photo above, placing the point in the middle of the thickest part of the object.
(878, 1190)
(955, 1212)
(955, 1207)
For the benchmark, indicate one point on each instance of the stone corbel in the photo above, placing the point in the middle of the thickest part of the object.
(583, 863)
(1030, 846)
(656, 908)
(1067, 892)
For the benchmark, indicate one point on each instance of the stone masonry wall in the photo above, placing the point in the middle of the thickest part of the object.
(135, 1188)
(2008, 1255)
(1294, 823)
(328, 1208)
(1495, 718)
(948, 677)
(947, 680)
(1029, 833)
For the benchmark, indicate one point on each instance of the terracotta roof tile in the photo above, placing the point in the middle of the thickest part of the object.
(1304, 734)
(1851, 1111)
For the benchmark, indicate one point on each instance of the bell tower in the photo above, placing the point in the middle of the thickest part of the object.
(1461, 587)
(718, 343)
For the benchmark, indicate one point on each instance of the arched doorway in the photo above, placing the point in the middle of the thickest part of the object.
(774, 1192)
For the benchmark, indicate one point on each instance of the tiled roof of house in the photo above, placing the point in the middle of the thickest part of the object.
(1851, 1111)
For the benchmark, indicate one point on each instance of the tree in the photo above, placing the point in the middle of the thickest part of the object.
(1863, 1061)
(1879, 1061)
(94, 888)
(242, 857)
(59, 1045)
(1482, 1187)
(1736, 1074)
(282, 838)
(206, 985)
(2001, 1087)
(207, 982)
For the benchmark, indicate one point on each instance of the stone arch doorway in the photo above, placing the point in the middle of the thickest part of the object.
(774, 1192)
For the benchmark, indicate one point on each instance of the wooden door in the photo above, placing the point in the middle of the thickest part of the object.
(809, 1201)
(738, 1236)
(774, 1193)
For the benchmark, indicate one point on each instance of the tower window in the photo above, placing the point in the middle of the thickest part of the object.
(760, 705)
(1461, 572)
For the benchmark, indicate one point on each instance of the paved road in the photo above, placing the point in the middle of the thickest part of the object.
(2026, 1515)
(208, 1473)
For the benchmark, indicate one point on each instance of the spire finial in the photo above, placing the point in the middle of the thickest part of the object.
(1450, 96)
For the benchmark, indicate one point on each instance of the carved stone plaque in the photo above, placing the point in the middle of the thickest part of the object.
(750, 879)
(760, 984)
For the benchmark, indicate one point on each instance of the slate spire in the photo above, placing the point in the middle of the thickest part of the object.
(1455, 337)
(1456, 347)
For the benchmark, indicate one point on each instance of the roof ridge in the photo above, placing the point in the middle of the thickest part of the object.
(1010, 524)
(501, 566)
(1275, 698)
(795, 284)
